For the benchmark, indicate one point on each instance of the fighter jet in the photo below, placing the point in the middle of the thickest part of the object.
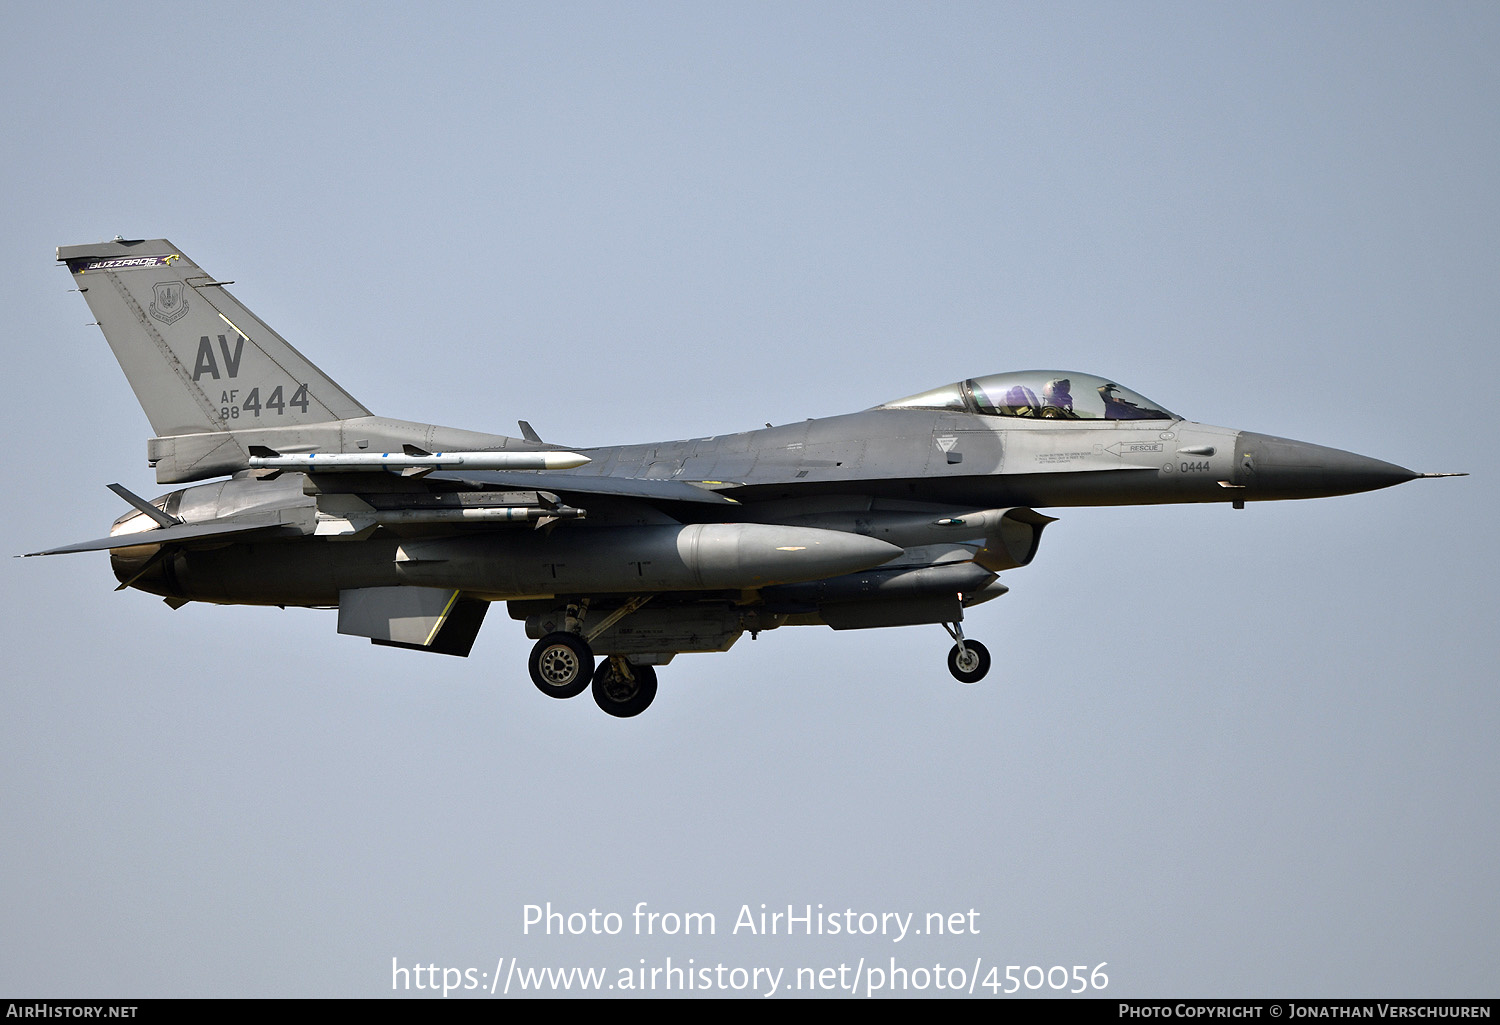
(618, 559)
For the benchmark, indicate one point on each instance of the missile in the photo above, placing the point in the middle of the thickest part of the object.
(473, 514)
(345, 462)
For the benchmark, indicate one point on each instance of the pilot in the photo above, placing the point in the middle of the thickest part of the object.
(1057, 400)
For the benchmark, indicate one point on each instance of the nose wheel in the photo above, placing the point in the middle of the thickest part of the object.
(968, 661)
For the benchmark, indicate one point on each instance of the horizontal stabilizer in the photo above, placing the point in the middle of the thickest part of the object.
(180, 534)
(136, 501)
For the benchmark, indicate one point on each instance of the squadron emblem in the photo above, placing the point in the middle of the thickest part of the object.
(170, 304)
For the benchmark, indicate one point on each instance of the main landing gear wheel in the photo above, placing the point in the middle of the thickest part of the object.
(561, 665)
(969, 663)
(624, 690)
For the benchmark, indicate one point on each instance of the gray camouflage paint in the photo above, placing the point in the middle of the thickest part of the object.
(890, 516)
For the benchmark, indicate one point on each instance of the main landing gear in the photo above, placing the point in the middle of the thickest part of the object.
(969, 661)
(622, 689)
(562, 666)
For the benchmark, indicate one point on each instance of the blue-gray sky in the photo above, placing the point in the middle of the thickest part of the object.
(1264, 767)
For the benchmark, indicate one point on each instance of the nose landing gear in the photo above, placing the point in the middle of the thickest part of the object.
(969, 661)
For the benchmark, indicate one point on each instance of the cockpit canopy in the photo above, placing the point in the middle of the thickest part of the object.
(1039, 395)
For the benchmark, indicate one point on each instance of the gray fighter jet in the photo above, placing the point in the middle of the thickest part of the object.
(898, 515)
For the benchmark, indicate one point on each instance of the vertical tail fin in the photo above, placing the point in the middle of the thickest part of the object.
(199, 362)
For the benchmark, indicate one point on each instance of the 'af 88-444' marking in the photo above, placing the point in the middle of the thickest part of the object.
(231, 406)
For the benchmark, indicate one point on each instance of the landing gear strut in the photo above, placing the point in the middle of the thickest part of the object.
(969, 660)
(622, 689)
(561, 665)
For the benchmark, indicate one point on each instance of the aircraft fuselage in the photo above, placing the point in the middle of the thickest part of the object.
(889, 474)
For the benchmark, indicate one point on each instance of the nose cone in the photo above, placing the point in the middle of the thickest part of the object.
(1271, 468)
